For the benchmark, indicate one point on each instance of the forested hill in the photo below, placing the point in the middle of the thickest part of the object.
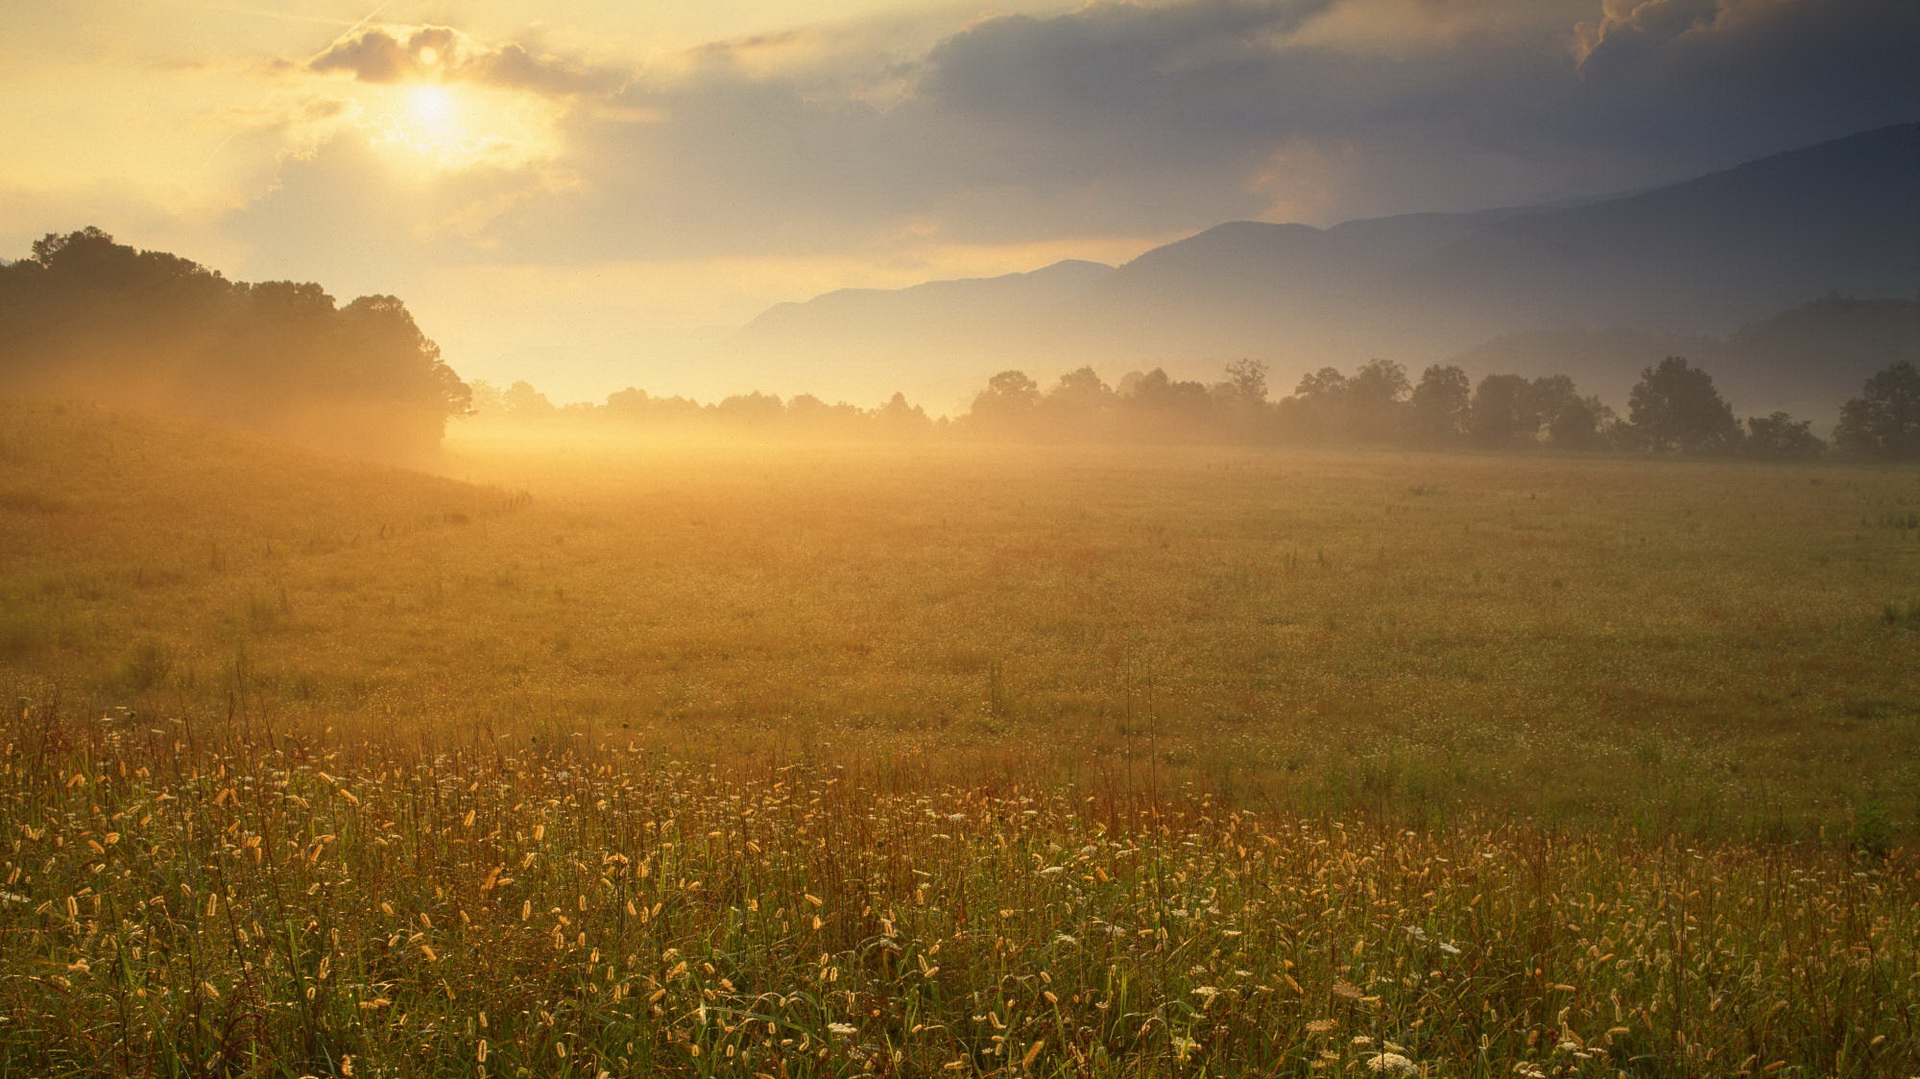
(85, 317)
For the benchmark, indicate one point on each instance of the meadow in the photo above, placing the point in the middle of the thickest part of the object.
(601, 754)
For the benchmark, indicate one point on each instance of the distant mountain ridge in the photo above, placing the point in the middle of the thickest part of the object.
(1698, 258)
(1806, 359)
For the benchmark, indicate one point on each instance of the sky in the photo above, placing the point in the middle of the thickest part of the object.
(593, 194)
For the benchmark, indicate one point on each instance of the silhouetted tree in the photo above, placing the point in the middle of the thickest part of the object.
(1779, 437)
(1376, 400)
(1155, 405)
(1007, 404)
(1441, 405)
(1579, 424)
(1080, 404)
(1884, 421)
(898, 419)
(1247, 380)
(1503, 412)
(1318, 407)
(1570, 420)
(1675, 407)
(90, 317)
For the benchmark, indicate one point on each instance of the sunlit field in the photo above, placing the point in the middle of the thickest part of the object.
(599, 754)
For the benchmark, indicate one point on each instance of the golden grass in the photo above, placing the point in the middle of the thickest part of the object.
(1186, 761)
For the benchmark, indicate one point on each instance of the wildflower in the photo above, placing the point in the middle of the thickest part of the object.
(1449, 948)
(845, 1030)
(1393, 1064)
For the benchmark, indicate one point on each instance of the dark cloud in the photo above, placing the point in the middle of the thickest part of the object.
(1124, 119)
(387, 54)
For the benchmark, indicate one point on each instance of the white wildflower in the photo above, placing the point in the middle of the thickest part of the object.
(1393, 1064)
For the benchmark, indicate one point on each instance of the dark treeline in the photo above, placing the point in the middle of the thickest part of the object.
(1673, 409)
(87, 317)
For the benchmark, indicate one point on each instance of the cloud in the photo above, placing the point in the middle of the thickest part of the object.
(1120, 119)
(389, 54)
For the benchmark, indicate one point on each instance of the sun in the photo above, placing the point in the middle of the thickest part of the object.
(435, 125)
(432, 106)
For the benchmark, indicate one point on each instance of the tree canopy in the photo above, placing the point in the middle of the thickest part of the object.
(88, 317)
(1674, 407)
(1884, 421)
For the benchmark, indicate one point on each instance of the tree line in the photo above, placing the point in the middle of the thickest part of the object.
(762, 413)
(1674, 408)
(87, 317)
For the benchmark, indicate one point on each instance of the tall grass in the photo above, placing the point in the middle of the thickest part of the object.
(200, 903)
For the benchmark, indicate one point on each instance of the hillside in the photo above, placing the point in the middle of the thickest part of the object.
(1702, 257)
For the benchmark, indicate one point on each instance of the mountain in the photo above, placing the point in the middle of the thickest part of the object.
(1704, 255)
(1679, 263)
(931, 338)
(1805, 360)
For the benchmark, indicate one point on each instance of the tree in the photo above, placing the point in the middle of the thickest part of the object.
(1007, 403)
(1441, 405)
(1884, 421)
(1503, 412)
(898, 419)
(1675, 407)
(89, 317)
(490, 400)
(1080, 404)
(1322, 385)
(1780, 437)
(1248, 381)
(1570, 420)
(1318, 407)
(1578, 424)
(1376, 396)
(523, 402)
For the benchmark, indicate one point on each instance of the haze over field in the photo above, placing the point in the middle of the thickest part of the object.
(602, 195)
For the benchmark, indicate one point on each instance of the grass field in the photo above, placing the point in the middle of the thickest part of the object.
(754, 758)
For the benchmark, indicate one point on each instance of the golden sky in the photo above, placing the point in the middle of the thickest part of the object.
(593, 194)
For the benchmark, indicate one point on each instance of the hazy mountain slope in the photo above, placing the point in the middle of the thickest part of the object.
(1807, 360)
(930, 339)
(1702, 255)
(1699, 257)
(932, 303)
